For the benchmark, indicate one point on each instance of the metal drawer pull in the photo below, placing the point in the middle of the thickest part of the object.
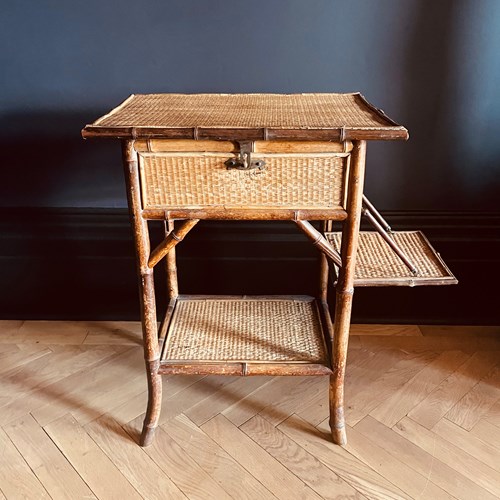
(244, 160)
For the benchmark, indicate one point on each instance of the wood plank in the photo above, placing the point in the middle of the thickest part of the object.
(78, 393)
(226, 396)
(9, 331)
(305, 466)
(391, 468)
(123, 381)
(351, 469)
(393, 409)
(46, 461)
(493, 414)
(53, 332)
(469, 410)
(16, 478)
(93, 465)
(400, 330)
(443, 450)
(192, 479)
(453, 330)
(138, 467)
(435, 406)
(487, 433)
(360, 373)
(7, 350)
(467, 441)
(298, 396)
(173, 405)
(278, 479)
(362, 399)
(114, 333)
(228, 473)
(438, 343)
(24, 354)
(426, 464)
(135, 406)
(31, 386)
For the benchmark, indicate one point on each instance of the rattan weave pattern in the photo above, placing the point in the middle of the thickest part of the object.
(246, 330)
(278, 111)
(293, 181)
(375, 259)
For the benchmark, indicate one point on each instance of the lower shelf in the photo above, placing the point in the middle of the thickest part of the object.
(243, 335)
(378, 265)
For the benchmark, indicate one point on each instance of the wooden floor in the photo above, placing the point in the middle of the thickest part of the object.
(423, 408)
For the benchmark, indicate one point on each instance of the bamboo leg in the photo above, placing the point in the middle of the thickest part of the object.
(146, 293)
(344, 292)
(324, 275)
(152, 357)
(171, 266)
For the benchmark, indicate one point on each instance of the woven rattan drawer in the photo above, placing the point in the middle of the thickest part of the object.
(194, 180)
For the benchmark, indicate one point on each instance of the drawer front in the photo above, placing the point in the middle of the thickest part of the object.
(196, 180)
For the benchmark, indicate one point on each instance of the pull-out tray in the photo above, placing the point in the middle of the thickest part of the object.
(246, 335)
(378, 265)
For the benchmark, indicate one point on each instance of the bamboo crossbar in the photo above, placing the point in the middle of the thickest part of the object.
(409, 264)
(319, 241)
(170, 242)
(367, 204)
(245, 213)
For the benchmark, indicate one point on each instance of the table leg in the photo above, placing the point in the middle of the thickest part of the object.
(146, 292)
(345, 290)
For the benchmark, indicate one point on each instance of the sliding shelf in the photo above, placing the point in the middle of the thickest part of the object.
(246, 335)
(378, 265)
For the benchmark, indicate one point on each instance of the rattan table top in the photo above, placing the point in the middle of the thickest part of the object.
(247, 116)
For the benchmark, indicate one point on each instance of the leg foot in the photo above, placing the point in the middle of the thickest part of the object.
(339, 435)
(337, 419)
(147, 435)
(154, 403)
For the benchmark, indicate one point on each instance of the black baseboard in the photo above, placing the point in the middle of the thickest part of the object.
(79, 264)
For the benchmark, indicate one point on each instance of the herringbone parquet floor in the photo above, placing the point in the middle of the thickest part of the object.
(423, 408)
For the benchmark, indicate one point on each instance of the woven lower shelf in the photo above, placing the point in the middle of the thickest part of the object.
(246, 336)
(378, 265)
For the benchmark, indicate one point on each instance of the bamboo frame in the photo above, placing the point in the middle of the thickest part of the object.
(345, 291)
(326, 226)
(319, 241)
(172, 240)
(146, 291)
(171, 265)
(367, 204)
(247, 213)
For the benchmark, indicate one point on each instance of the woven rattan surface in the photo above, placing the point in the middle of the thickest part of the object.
(245, 330)
(377, 261)
(246, 111)
(289, 181)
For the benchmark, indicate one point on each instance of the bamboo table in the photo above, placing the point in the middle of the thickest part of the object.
(258, 157)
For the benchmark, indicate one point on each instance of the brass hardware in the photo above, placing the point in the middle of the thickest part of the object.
(244, 160)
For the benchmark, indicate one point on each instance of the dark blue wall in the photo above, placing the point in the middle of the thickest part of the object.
(433, 66)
